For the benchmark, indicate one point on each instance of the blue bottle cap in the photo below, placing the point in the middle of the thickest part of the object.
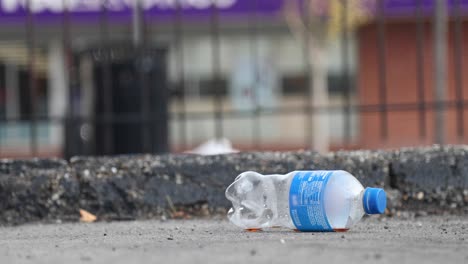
(374, 201)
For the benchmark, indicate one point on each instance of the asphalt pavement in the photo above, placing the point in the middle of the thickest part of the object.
(374, 240)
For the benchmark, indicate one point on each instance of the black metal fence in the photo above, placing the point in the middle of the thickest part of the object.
(131, 107)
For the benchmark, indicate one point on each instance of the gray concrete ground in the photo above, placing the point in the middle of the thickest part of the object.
(420, 240)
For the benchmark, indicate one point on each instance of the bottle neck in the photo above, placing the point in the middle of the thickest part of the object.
(361, 202)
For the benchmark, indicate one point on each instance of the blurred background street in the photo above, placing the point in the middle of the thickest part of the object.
(114, 77)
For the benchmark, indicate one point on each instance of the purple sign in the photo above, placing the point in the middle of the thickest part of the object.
(85, 10)
(90, 10)
(411, 7)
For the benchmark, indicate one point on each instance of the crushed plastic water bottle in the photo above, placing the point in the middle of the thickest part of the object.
(302, 200)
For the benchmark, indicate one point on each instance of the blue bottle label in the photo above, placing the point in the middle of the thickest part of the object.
(306, 204)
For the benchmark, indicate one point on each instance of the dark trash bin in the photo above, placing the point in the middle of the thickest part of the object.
(130, 95)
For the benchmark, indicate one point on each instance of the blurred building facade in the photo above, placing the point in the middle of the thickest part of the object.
(233, 70)
(251, 38)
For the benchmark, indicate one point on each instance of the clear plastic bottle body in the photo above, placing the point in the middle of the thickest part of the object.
(343, 200)
(262, 201)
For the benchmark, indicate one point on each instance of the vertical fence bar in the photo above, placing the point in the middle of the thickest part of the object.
(137, 23)
(458, 59)
(253, 33)
(421, 93)
(440, 68)
(216, 67)
(70, 120)
(30, 38)
(345, 79)
(108, 144)
(180, 69)
(309, 128)
(382, 69)
(4, 120)
(139, 54)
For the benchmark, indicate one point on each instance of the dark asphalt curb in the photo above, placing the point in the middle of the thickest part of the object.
(418, 180)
